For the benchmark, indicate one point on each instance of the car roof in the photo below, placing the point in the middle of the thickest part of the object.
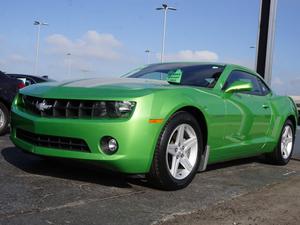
(24, 75)
(225, 65)
(190, 63)
(233, 66)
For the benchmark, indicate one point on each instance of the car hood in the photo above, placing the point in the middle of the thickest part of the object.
(97, 88)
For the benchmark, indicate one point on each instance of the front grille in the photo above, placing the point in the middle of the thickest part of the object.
(60, 108)
(65, 143)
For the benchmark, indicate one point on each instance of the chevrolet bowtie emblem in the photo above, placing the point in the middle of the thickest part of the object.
(42, 106)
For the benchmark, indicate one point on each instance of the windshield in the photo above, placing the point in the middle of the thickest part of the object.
(203, 75)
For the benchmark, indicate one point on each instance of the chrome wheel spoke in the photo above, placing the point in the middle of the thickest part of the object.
(284, 151)
(186, 163)
(190, 143)
(172, 149)
(282, 145)
(180, 135)
(175, 165)
(190, 131)
(289, 140)
(285, 133)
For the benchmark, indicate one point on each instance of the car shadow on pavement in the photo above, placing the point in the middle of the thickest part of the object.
(64, 168)
(237, 162)
(88, 172)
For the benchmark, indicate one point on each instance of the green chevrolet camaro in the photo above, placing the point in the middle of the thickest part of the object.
(167, 121)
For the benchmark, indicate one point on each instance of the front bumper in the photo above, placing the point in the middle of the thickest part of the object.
(136, 138)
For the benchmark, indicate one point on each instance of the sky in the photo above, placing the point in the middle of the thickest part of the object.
(109, 38)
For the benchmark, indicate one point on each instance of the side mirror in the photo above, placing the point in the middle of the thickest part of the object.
(239, 86)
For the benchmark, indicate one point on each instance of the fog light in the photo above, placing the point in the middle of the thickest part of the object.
(109, 145)
(112, 145)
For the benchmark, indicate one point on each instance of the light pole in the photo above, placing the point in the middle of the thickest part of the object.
(148, 55)
(69, 64)
(254, 48)
(39, 25)
(165, 8)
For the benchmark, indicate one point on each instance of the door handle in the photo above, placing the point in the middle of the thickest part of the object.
(265, 106)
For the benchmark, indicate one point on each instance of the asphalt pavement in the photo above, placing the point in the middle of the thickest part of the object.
(42, 191)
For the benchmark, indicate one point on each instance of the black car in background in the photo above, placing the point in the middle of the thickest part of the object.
(9, 87)
(30, 79)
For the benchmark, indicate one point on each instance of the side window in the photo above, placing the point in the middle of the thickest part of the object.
(243, 76)
(264, 88)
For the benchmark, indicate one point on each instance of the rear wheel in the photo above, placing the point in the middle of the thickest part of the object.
(284, 149)
(4, 118)
(178, 152)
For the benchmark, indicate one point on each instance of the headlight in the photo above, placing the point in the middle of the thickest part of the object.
(113, 109)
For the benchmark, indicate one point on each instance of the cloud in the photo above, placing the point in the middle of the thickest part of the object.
(16, 63)
(14, 59)
(92, 44)
(190, 55)
(17, 58)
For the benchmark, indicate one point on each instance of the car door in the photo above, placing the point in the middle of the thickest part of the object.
(248, 117)
(2, 83)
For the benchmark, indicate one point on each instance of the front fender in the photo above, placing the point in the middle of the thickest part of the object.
(209, 103)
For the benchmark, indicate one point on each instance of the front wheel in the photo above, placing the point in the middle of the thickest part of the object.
(284, 149)
(178, 152)
(4, 118)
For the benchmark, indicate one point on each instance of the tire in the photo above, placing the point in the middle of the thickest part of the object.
(175, 165)
(284, 149)
(4, 118)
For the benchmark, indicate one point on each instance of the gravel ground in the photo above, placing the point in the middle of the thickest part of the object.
(273, 204)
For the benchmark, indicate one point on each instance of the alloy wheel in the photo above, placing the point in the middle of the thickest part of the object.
(287, 139)
(2, 119)
(182, 151)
